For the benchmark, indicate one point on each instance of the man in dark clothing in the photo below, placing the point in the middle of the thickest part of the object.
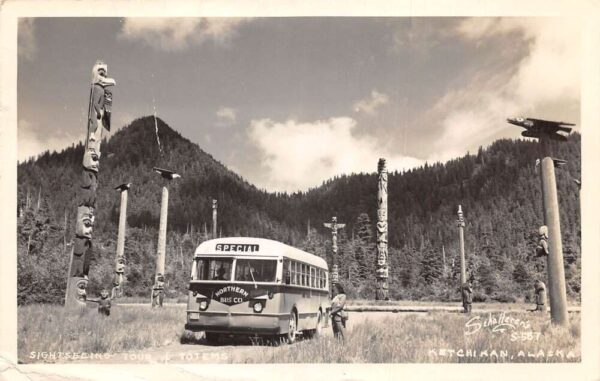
(467, 298)
(338, 314)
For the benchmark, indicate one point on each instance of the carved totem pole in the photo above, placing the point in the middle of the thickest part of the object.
(382, 232)
(214, 221)
(117, 290)
(334, 226)
(550, 242)
(159, 279)
(99, 114)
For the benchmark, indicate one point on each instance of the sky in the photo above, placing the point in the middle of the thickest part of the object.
(288, 103)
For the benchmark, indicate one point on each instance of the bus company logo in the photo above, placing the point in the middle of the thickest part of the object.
(237, 247)
(231, 295)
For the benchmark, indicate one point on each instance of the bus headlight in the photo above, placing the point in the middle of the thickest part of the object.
(258, 307)
(193, 316)
(203, 304)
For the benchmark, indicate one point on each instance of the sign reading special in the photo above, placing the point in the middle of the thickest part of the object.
(231, 295)
(237, 247)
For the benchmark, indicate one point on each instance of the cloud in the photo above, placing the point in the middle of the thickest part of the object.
(27, 46)
(551, 70)
(31, 142)
(297, 155)
(371, 104)
(226, 116)
(544, 83)
(173, 34)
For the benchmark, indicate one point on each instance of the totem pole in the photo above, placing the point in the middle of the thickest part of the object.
(214, 216)
(99, 114)
(334, 226)
(159, 279)
(382, 233)
(117, 290)
(544, 131)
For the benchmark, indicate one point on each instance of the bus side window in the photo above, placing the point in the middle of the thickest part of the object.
(287, 276)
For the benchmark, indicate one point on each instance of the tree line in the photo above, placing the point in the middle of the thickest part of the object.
(498, 188)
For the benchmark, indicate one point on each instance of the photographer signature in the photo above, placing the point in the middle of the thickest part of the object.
(495, 323)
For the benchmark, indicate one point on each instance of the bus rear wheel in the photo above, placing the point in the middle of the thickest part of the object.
(290, 336)
(318, 328)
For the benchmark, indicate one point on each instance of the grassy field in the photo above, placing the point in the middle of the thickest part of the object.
(373, 338)
(436, 338)
(50, 328)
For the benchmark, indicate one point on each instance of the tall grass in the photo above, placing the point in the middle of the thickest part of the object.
(393, 338)
(423, 338)
(51, 328)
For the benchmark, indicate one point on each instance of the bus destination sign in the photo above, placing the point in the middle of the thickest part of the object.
(237, 247)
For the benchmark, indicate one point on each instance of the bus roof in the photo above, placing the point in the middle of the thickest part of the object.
(256, 246)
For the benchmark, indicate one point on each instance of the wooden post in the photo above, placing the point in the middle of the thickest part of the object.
(556, 273)
(159, 276)
(120, 257)
(461, 226)
(382, 233)
(99, 115)
(214, 219)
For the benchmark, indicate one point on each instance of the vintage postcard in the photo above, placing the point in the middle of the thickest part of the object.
(260, 190)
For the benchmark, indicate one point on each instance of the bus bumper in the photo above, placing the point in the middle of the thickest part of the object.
(258, 324)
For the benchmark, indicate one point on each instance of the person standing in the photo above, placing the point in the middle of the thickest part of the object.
(338, 314)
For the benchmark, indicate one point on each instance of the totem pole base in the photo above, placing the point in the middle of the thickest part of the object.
(73, 298)
(381, 293)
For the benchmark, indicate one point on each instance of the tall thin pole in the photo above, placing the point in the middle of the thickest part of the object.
(120, 257)
(544, 131)
(214, 219)
(382, 232)
(159, 275)
(461, 226)
(556, 273)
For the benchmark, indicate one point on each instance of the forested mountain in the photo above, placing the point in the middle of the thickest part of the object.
(498, 189)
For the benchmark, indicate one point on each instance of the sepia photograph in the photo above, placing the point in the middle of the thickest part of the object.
(292, 190)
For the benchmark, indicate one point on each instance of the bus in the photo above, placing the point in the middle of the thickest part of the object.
(256, 287)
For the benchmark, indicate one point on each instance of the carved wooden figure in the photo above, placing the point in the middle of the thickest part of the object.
(382, 232)
(86, 192)
(540, 296)
(334, 226)
(542, 247)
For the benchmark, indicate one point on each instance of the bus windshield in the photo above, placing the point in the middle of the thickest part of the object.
(255, 270)
(214, 268)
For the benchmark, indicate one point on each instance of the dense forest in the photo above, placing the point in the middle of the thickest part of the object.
(498, 188)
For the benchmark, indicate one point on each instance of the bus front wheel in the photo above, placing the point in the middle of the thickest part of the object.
(212, 337)
(290, 337)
